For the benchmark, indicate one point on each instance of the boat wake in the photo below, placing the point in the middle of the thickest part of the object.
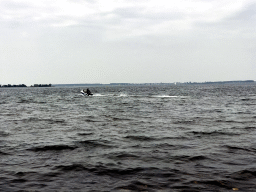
(166, 96)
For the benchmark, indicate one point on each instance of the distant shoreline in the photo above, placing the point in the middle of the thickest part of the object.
(139, 84)
(23, 85)
(129, 84)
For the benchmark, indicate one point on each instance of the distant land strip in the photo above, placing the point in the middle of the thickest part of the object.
(23, 85)
(127, 84)
(176, 83)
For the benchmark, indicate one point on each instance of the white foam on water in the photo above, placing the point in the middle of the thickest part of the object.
(123, 95)
(166, 96)
(98, 95)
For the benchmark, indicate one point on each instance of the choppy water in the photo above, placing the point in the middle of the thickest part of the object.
(148, 138)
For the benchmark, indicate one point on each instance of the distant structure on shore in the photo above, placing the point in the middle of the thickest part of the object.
(41, 85)
(23, 85)
(217, 82)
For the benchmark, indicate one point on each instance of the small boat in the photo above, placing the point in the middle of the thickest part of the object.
(88, 93)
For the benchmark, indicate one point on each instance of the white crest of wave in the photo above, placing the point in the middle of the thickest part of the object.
(123, 95)
(166, 96)
(98, 95)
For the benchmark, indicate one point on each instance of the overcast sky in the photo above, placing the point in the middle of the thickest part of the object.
(127, 41)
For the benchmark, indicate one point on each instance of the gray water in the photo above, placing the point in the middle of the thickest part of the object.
(131, 138)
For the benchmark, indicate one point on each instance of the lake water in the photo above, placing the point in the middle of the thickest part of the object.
(128, 138)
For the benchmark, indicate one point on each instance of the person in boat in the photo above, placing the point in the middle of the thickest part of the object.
(88, 92)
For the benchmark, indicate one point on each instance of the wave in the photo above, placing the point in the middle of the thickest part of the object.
(4, 134)
(95, 143)
(98, 95)
(23, 100)
(168, 146)
(139, 138)
(185, 158)
(21, 173)
(120, 119)
(244, 175)
(149, 181)
(3, 153)
(126, 155)
(111, 95)
(51, 121)
(233, 121)
(84, 134)
(248, 99)
(184, 122)
(249, 127)
(99, 169)
(53, 148)
(73, 167)
(235, 148)
(198, 158)
(138, 186)
(218, 183)
(91, 120)
(122, 156)
(122, 95)
(107, 95)
(213, 133)
(166, 96)
(132, 95)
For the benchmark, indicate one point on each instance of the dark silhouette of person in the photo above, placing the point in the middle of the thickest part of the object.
(88, 92)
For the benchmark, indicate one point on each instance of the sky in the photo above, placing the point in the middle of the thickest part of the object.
(126, 41)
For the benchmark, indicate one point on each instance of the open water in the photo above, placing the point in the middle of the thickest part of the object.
(131, 138)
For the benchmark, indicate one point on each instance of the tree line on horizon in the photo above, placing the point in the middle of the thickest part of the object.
(23, 85)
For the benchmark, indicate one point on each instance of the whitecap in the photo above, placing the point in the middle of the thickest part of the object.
(123, 95)
(98, 95)
(165, 96)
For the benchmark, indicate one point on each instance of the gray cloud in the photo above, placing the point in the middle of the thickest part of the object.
(14, 5)
(126, 41)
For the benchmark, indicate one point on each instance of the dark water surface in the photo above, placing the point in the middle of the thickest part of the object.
(148, 138)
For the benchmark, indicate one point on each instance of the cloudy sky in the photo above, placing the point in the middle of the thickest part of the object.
(127, 41)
